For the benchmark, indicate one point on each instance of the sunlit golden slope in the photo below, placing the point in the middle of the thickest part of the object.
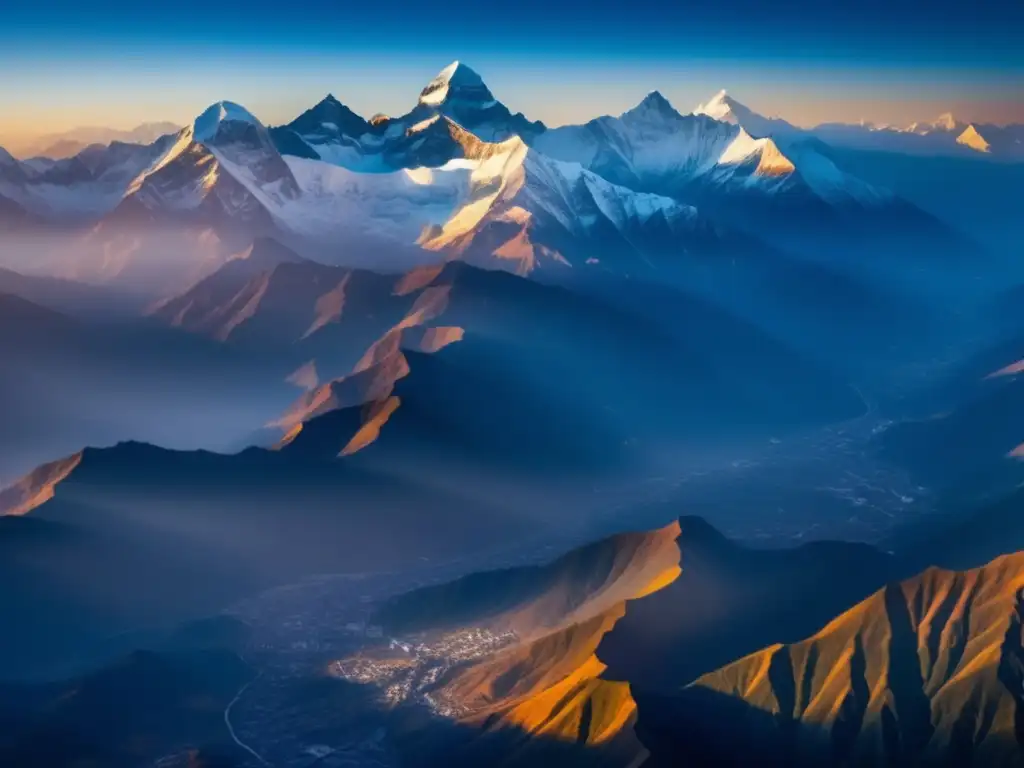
(561, 701)
(973, 140)
(372, 377)
(36, 487)
(924, 672)
(544, 692)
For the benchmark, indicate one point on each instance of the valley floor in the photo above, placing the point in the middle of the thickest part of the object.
(302, 711)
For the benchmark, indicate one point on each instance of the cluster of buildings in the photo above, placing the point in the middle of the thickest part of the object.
(406, 671)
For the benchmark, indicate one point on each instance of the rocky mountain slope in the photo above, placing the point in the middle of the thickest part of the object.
(925, 672)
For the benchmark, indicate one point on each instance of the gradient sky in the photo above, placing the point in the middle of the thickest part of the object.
(123, 62)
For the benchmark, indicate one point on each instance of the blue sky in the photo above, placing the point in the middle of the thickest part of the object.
(119, 63)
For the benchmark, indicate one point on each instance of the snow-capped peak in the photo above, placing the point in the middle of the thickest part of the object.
(226, 149)
(455, 76)
(771, 162)
(460, 94)
(654, 105)
(208, 124)
(517, 193)
(6, 158)
(726, 109)
(972, 139)
(946, 122)
(720, 107)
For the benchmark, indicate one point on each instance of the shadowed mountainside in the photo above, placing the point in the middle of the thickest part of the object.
(68, 383)
(973, 444)
(146, 707)
(347, 325)
(967, 533)
(68, 296)
(169, 535)
(731, 600)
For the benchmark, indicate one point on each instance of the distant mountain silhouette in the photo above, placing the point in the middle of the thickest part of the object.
(965, 532)
(70, 382)
(969, 445)
(68, 296)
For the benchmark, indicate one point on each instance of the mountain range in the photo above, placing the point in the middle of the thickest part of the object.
(66, 144)
(407, 378)
(923, 672)
(943, 135)
(723, 149)
(455, 439)
(617, 654)
(679, 203)
(875, 667)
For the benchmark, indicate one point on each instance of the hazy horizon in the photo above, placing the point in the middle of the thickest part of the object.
(118, 65)
(400, 92)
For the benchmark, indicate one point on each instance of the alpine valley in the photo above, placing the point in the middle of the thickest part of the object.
(451, 438)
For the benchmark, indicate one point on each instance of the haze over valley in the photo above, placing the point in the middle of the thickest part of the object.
(683, 435)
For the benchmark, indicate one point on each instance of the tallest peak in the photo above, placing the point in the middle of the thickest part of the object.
(721, 106)
(460, 94)
(457, 71)
(456, 76)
